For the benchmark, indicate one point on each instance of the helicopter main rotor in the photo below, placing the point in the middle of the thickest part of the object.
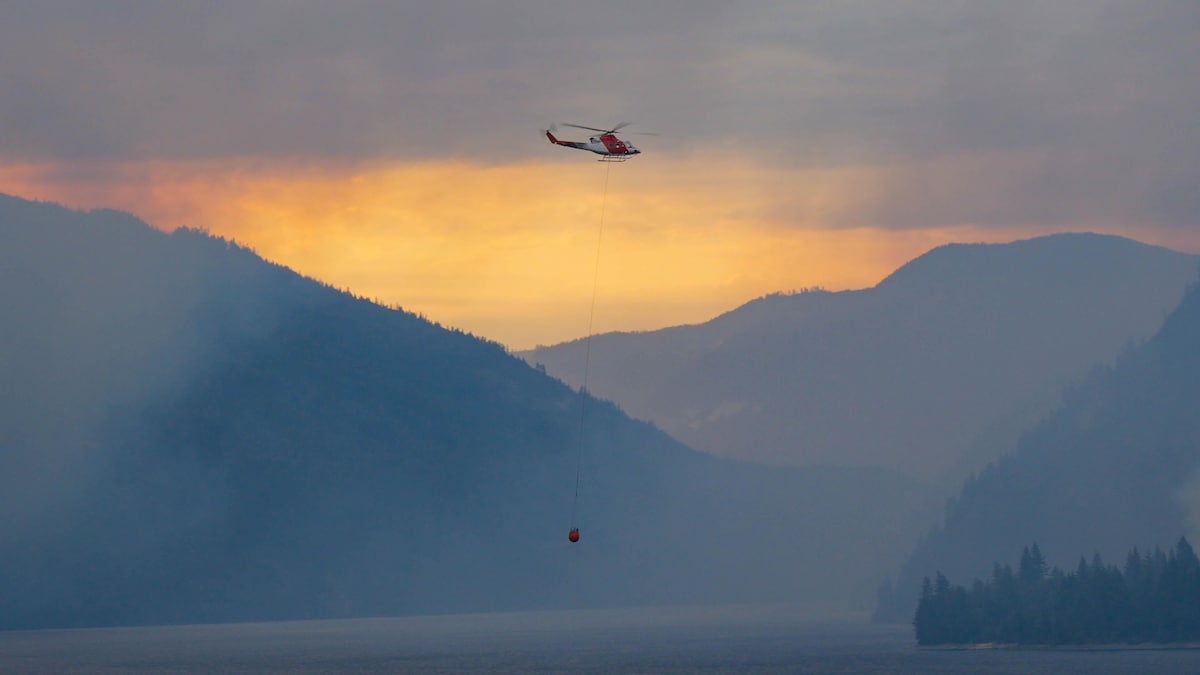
(620, 125)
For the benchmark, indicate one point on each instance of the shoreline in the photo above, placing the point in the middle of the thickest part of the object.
(1098, 647)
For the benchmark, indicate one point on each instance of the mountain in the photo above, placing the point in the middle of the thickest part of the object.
(189, 433)
(934, 371)
(1116, 466)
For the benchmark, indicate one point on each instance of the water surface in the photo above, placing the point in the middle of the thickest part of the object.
(660, 640)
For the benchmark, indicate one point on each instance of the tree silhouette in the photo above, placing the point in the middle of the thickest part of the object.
(1154, 598)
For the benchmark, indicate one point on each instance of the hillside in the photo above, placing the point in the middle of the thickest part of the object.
(935, 371)
(193, 434)
(1116, 466)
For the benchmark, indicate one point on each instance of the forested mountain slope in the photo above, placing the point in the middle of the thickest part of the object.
(1116, 466)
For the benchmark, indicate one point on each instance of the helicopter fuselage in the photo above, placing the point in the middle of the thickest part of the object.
(607, 145)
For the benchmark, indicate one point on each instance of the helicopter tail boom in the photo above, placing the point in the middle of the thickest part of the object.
(569, 144)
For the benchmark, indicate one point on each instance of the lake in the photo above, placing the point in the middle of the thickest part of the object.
(652, 640)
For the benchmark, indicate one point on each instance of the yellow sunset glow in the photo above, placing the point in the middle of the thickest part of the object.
(508, 252)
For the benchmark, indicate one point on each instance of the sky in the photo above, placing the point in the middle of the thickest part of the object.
(393, 149)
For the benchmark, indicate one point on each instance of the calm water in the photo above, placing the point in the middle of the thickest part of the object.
(674, 640)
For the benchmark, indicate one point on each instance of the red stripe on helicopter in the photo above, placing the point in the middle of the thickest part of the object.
(613, 144)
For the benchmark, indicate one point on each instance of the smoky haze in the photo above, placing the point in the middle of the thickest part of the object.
(85, 335)
(1113, 468)
(102, 316)
(192, 434)
(934, 372)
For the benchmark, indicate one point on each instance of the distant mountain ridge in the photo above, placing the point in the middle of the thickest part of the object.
(1118, 464)
(189, 434)
(934, 371)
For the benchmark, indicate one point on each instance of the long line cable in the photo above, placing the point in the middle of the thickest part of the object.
(587, 348)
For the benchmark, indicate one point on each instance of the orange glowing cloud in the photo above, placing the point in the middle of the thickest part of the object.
(509, 252)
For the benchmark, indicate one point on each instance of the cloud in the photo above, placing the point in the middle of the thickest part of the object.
(888, 116)
(507, 251)
(140, 80)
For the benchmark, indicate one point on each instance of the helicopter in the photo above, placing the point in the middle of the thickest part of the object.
(606, 144)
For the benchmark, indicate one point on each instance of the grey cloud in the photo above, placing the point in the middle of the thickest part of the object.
(1095, 97)
(142, 79)
(1102, 92)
